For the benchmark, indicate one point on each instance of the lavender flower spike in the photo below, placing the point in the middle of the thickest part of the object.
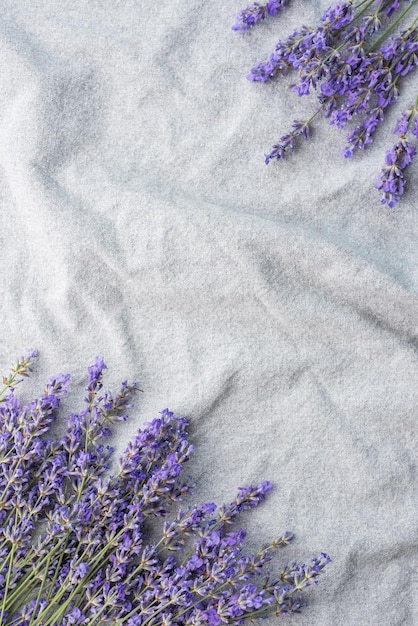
(391, 180)
(22, 367)
(287, 142)
(249, 17)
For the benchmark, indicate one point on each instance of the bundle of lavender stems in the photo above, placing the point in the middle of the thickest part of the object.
(355, 60)
(77, 543)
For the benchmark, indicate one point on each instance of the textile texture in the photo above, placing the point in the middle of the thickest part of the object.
(273, 306)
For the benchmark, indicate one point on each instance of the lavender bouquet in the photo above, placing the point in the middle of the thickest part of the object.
(356, 73)
(75, 541)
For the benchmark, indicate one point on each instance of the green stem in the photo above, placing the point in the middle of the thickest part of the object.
(8, 579)
(7, 386)
(31, 578)
(357, 6)
(362, 12)
(97, 564)
(101, 611)
(393, 25)
(41, 587)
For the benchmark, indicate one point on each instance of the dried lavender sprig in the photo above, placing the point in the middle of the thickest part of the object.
(287, 142)
(249, 17)
(391, 180)
(22, 368)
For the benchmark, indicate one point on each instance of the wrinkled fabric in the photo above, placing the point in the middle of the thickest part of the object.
(273, 306)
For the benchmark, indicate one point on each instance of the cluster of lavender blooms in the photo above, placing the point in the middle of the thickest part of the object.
(256, 12)
(391, 180)
(355, 72)
(75, 544)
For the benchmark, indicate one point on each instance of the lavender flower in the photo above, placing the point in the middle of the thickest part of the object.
(355, 74)
(287, 142)
(73, 538)
(391, 180)
(248, 17)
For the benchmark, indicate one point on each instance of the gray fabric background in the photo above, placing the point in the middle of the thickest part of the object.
(275, 307)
